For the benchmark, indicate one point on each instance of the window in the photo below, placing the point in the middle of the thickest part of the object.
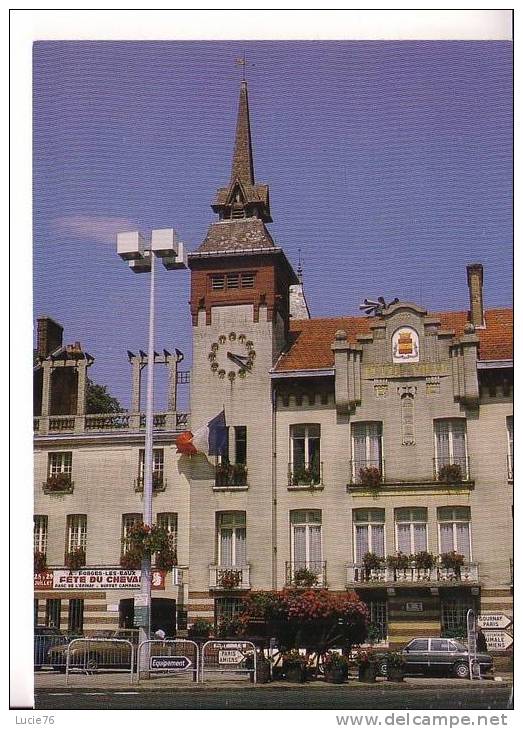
(421, 644)
(369, 532)
(305, 454)
(53, 609)
(366, 447)
(157, 467)
(450, 438)
(240, 444)
(76, 532)
(411, 530)
(128, 521)
(454, 615)
(75, 621)
(169, 522)
(60, 463)
(510, 437)
(226, 608)
(233, 280)
(40, 533)
(306, 547)
(378, 620)
(439, 644)
(454, 530)
(232, 537)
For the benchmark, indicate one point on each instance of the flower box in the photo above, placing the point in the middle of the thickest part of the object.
(58, 483)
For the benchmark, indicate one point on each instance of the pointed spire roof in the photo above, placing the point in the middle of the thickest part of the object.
(243, 197)
(242, 162)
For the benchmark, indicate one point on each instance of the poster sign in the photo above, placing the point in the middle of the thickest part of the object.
(414, 607)
(96, 579)
(494, 621)
(498, 640)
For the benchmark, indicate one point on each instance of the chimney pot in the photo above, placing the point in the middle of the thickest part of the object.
(475, 284)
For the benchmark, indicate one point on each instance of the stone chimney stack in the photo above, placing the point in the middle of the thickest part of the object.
(475, 282)
(49, 336)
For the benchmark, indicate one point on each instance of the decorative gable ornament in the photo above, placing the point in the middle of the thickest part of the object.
(405, 345)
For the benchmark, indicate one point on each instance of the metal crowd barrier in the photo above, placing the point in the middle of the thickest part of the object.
(174, 656)
(228, 656)
(41, 647)
(92, 655)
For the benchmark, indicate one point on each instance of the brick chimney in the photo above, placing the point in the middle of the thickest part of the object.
(475, 282)
(49, 336)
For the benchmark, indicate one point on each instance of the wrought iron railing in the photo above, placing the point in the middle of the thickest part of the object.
(222, 577)
(367, 472)
(451, 470)
(304, 573)
(230, 476)
(306, 475)
(159, 482)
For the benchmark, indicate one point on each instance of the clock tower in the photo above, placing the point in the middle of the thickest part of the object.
(240, 281)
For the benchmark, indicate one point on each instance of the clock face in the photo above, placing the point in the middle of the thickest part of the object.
(232, 355)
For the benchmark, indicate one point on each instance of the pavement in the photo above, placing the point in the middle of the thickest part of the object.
(52, 680)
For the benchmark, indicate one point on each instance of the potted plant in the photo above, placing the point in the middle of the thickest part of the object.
(295, 666)
(306, 475)
(75, 558)
(450, 473)
(166, 559)
(303, 577)
(398, 561)
(367, 667)
(40, 561)
(59, 482)
(452, 560)
(370, 476)
(131, 560)
(263, 667)
(372, 561)
(396, 666)
(228, 579)
(200, 629)
(335, 667)
(424, 560)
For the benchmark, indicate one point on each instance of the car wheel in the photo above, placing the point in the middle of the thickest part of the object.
(461, 670)
(382, 667)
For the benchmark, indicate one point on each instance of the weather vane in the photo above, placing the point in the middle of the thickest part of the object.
(242, 62)
(375, 308)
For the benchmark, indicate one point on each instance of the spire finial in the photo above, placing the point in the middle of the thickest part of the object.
(299, 270)
(242, 62)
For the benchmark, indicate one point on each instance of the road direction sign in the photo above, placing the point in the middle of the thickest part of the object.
(494, 621)
(170, 663)
(498, 640)
(230, 656)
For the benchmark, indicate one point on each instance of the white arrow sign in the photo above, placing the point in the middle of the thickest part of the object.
(493, 621)
(230, 657)
(498, 640)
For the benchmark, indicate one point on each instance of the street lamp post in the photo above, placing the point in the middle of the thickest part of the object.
(131, 248)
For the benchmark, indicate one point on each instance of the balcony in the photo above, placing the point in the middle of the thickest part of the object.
(367, 473)
(306, 574)
(106, 422)
(451, 470)
(159, 482)
(229, 579)
(305, 475)
(58, 483)
(360, 576)
(369, 476)
(230, 476)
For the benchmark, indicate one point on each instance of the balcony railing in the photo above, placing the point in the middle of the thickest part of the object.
(107, 422)
(229, 578)
(159, 482)
(306, 574)
(58, 483)
(451, 470)
(230, 476)
(368, 472)
(305, 475)
(510, 467)
(358, 574)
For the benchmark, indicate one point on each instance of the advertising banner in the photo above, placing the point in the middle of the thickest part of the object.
(95, 579)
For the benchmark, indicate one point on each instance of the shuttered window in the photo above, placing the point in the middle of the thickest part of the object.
(454, 530)
(369, 532)
(306, 540)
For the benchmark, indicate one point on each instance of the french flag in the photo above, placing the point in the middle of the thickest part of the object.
(210, 439)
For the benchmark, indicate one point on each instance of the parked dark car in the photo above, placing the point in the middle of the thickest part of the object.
(437, 655)
(44, 639)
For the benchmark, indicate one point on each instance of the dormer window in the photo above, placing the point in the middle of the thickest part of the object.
(226, 281)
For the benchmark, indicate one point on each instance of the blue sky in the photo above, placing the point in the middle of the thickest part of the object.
(389, 165)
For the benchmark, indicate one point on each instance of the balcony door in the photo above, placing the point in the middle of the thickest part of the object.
(232, 539)
(306, 541)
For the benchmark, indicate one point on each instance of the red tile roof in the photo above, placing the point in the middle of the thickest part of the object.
(312, 338)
